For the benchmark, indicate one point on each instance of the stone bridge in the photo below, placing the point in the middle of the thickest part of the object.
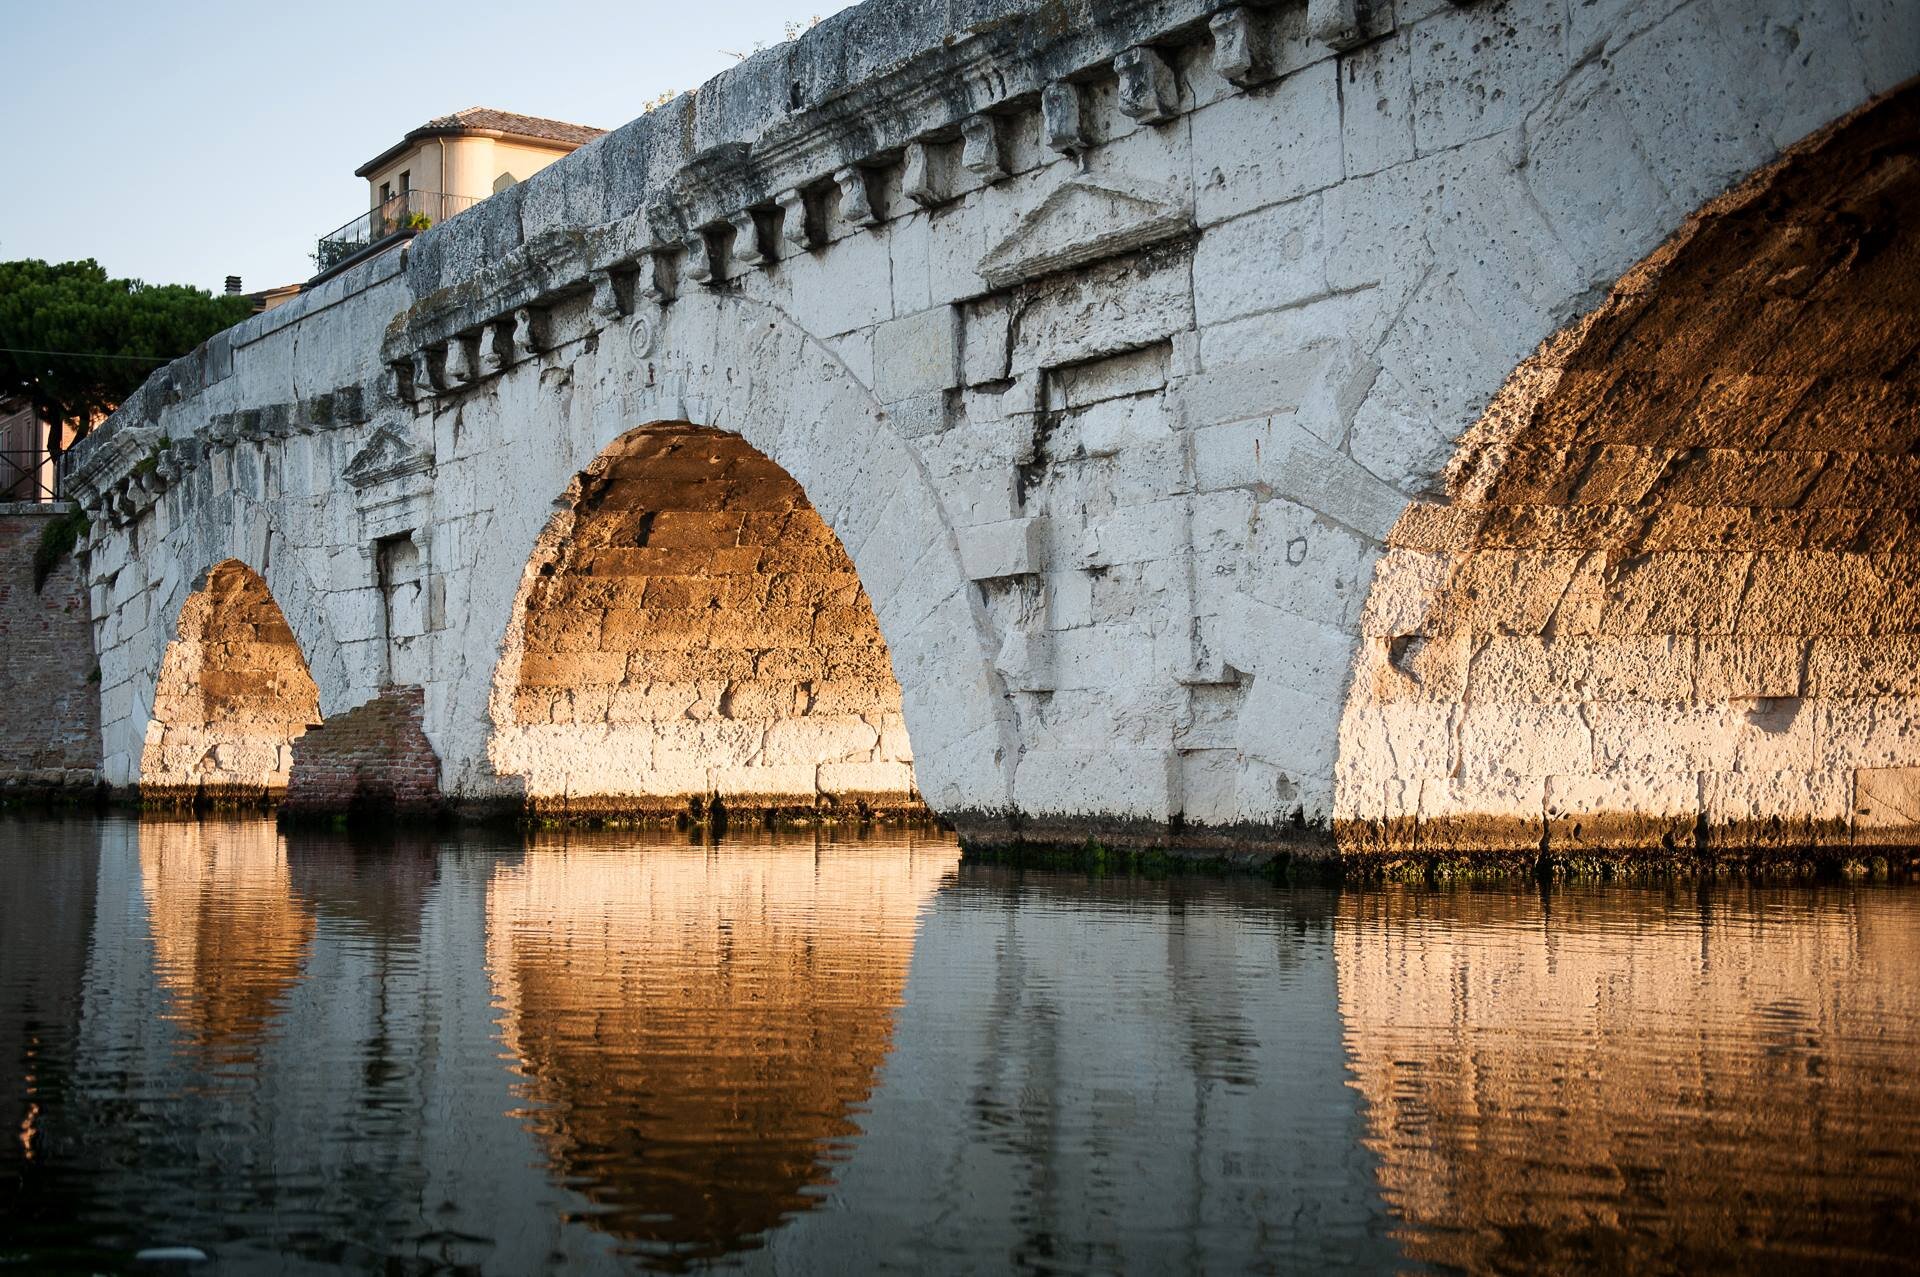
(1413, 425)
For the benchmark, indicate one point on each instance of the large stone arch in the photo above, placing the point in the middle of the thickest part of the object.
(1671, 595)
(724, 366)
(690, 628)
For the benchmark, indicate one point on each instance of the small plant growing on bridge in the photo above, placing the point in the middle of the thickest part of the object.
(57, 540)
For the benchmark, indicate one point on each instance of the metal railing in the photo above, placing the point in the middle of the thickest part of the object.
(401, 214)
(27, 475)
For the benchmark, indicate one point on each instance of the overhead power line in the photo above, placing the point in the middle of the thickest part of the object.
(81, 354)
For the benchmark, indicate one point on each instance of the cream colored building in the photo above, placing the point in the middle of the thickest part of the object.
(458, 160)
(444, 167)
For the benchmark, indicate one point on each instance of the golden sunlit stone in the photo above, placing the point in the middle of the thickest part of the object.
(690, 627)
(232, 695)
(695, 1028)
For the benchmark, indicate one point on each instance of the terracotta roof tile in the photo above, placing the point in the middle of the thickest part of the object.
(484, 117)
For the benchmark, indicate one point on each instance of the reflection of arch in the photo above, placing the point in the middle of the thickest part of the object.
(1629, 1080)
(690, 626)
(758, 988)
(229, 934)
(232, 694)
(1672, 594)
(744, 368)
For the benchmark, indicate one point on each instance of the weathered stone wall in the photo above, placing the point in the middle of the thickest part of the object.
(1111, 348)
(1672, 597)
(49, 692)
(232, 696)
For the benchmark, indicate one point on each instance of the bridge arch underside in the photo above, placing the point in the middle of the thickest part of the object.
(1672, 595)
(233, 694)
(691, 633)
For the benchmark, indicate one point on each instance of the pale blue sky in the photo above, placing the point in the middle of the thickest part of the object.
(183, 142)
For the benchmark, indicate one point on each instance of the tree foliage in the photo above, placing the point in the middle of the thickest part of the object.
(104, 336)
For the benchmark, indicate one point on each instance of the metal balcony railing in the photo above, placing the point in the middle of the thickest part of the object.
(27, 475)
(402, 214)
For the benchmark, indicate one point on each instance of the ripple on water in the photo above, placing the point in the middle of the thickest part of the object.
(599, 1052)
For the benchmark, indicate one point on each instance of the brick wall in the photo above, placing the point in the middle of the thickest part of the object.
(49, 699)
(372, 758)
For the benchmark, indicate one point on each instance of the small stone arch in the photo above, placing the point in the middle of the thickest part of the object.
(1671, 596)
(232, 694)
(709, 368)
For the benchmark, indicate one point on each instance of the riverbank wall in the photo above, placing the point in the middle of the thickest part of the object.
(49, 684)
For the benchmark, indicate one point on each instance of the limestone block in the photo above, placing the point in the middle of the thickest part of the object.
(1294, 730)
(1814, 592)
(1759, 736)
(1616, 810)
(1087, 657)
(1776, 809)
(1511, 60)
(1025, 661)
(1135, 372)
(1148, 92)
(1208, 782)
(878, 777)
(1502, 813)
(1876, 731)
(1520, 591)
(1882, 665)
(1886, 806)
(1061, 124)
(1287, 243)
(916, 354)
(1404, 740)
(1262, 148)
(983, 343)
(1138, 783)
(1304, 563)
(1524, 740)
(908, 246)
(1578, 669)
(1009, 547)
(1069, 599)
(1237, 55)
(980, 147)
(1376, 105)
(990, 494)
(1413, 667)
(1730, 668)
(1288, 459)
(846, 288)
(1134, 534)
(1285, 647)
(1074, 320)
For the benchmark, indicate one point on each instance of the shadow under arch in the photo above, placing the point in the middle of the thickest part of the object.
(1671, 597)
(722, 367)
(232, 695)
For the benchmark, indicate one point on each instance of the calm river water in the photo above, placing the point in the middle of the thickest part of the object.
(590, 1053)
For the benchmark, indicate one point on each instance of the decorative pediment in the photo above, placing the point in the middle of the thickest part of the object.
(1084, 221)
(387, 456)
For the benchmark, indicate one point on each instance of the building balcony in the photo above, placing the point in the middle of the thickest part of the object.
(396, 218)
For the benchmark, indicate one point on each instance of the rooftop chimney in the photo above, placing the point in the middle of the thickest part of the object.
(233, 285)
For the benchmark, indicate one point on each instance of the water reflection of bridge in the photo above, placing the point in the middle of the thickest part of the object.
(519, 1056)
